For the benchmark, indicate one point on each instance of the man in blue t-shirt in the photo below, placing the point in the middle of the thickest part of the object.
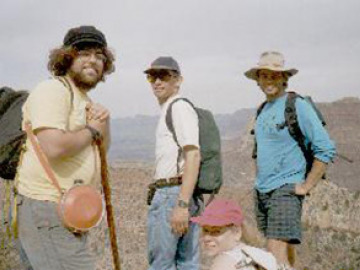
(281, 181)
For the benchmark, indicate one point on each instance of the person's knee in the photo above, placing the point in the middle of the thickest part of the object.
(279, 249)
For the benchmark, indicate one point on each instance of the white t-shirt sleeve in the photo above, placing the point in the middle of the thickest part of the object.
(186, 124)
(49, 105)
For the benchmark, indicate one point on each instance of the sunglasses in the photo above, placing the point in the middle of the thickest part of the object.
(164, 76)
(214, 230)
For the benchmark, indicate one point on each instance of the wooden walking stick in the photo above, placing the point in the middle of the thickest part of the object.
(109, 209)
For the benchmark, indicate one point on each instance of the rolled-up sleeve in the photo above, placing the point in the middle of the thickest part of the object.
(322, 146)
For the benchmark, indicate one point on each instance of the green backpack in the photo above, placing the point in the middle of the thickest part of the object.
(210, 173)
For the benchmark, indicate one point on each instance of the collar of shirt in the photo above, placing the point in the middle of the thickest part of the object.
(168, 101)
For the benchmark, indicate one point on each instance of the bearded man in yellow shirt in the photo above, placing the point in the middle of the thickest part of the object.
(65, 122)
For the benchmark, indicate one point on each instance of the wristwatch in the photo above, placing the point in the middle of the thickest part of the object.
(183, 204)
(95, 134)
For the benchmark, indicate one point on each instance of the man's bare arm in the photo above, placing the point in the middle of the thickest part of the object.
(191, 171)
(58, 144)
(317, 171)
(180, 216)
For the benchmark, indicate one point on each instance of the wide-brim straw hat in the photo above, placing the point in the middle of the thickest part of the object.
(273, 61)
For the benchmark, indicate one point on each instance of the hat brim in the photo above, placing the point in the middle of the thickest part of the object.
(157, 68)
(209, 221)
(252, 73)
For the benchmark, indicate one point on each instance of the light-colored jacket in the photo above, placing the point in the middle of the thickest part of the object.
(252, 258)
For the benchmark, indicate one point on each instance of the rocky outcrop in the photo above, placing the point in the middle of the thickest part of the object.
(331, 215)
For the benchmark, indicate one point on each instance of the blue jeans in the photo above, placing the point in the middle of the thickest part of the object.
(166, 250)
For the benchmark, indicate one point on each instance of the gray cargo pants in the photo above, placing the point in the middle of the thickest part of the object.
(47, 243)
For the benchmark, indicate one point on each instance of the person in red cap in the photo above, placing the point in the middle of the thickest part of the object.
(66, 123)
(222, 237)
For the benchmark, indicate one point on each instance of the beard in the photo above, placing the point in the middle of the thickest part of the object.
(82, 81)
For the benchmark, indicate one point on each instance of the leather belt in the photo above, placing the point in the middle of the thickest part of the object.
(161, 183)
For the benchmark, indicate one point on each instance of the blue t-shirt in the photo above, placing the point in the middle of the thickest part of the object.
(279, 158)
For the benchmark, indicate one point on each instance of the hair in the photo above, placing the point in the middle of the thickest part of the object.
(61, 59)
(249, 233)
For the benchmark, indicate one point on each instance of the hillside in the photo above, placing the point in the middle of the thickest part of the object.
(331, 215)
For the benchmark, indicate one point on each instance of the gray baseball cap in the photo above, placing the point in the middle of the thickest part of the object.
(164, 62)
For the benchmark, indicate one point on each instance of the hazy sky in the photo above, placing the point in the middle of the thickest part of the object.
(214, 41)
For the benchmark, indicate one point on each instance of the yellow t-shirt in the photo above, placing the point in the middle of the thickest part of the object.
(49, 106)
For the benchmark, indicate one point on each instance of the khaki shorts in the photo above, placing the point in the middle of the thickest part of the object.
(47, 243)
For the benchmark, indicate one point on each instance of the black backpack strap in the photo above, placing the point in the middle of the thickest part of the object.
(261, 107)
(291, 121)
(252, 132)
(170, 126)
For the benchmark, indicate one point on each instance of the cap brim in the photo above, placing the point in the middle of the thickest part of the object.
(252, 73)
(209, 221)
(156, 68)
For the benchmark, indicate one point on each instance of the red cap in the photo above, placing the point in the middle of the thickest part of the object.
(220, 212)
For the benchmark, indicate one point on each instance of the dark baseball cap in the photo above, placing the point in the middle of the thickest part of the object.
(164, 62)
(83, 36)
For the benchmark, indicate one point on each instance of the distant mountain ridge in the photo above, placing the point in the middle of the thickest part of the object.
(133, 138)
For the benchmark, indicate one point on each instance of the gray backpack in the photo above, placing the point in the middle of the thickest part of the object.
(210, 174)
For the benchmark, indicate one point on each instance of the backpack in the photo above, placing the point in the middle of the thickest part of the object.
(12, 137)
(291, 122)
(12, 142)
(210, 173)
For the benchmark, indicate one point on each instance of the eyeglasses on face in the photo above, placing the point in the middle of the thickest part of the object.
(87, 54)
(164, 76)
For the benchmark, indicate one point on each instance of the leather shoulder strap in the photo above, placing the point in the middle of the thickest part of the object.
(42, 157)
